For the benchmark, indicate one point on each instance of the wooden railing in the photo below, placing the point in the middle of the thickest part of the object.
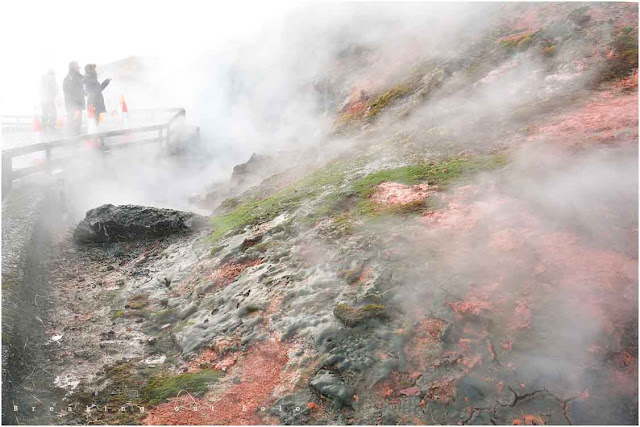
(101, 140)
(10, 124)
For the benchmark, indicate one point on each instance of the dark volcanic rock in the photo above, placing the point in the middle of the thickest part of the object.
(109, 223)
(329, 384)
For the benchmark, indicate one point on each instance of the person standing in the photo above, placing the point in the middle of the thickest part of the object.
(48, 93)
(74, 98)
(94, 90)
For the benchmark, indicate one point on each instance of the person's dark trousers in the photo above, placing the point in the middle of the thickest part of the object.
(49, 116)
(74, 122)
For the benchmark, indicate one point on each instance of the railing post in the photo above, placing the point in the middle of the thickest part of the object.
(6, 174)
(168, 134)
(48, 158)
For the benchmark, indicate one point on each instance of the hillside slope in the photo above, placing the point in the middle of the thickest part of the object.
(461, 249)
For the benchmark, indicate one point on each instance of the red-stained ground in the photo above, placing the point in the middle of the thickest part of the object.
(549, 264)
(260, 372)
(230, 271)
(608, 117)
(426, 337)
(394, 194)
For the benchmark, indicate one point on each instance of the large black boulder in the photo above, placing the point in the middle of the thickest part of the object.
(109, 223)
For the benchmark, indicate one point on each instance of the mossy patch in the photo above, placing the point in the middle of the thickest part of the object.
(354, 203)
(625, 55)
(160, 388)
(519, 41)
(258, 211)
(163, 317)
(379, 103)
(352, 275)
(215, 250)
(120, 396)
(352, 316)
(117, 314)
(183, 324)
(137, 302)
(524, 43)
(440, 174)
(549, 51)
(9, 282)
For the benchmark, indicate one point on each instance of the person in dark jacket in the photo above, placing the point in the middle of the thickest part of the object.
(73, 98)
(48, 93)
(94, 90)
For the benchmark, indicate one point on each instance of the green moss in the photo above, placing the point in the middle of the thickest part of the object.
(183, 324)
(350, 118)
(216, 249)
(355, 202)
(524, 43)
(379, 103)
(164, 316)
(352, 275)
(341, 225)
(351, 316)
(160, 388)
(519, 41)
(433, 173)
(117, 314)
(257, 211)
(9, 283)
(625, 58)
(549, 50)
(440, 174)
(261, 247)
(137, 302)
(253, 308)
(411, 207)
(330, 205)
(373, 308)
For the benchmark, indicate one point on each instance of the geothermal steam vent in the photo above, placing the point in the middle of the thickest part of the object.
(109, 223)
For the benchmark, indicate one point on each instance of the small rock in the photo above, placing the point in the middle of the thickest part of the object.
(331, 385)
(151, 340)
(411, 391)
(352, 316)
(81, 353)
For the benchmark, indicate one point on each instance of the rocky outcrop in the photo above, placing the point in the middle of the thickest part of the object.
(109, 223)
